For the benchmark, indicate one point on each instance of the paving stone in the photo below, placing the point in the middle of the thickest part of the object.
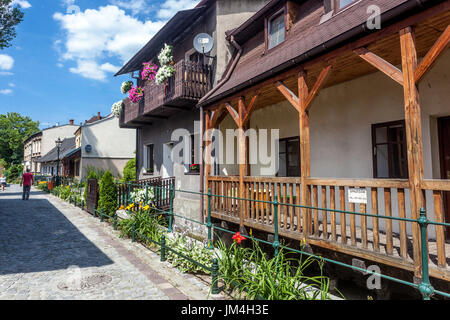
(54, 251)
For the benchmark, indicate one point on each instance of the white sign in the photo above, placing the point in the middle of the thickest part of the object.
(357, 195)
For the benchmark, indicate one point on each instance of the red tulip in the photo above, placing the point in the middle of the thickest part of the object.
(238, 238)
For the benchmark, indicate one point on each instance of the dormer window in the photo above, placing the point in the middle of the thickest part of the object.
(276, 29)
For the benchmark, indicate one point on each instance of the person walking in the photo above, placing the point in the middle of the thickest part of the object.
(3, 182)
(27, 181)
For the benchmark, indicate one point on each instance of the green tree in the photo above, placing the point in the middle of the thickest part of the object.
(108, 194)
(14, 173)
(14, 130)
(10, 16)
(129, 171)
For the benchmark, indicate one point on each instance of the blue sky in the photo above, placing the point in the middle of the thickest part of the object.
(61, 65)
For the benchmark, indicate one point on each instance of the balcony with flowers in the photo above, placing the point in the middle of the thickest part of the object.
(163, 90)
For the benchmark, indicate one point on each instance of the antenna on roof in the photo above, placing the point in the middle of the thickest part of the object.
(203, 43)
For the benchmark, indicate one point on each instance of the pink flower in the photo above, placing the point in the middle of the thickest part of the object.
(149, 71)
(135, 94)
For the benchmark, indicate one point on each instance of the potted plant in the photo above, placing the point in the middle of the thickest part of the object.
(149, 170)
(194, 167)
(116, 108)
(126, 86)
(149, 71)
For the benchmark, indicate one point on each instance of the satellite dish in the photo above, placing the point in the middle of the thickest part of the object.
(203, 43)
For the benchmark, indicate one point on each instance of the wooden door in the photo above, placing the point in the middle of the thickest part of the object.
(444, 150)
(92, 195)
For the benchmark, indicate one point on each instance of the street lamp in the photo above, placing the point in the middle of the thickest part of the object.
(58, 147)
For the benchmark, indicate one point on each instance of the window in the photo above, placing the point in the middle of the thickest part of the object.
(289, 157)
(389, 150)
(194, 166)
(341, 4)
(149, 164)
(276, 29)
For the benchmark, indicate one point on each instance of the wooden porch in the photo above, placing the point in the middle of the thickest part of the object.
(389, 242)
(380, 240)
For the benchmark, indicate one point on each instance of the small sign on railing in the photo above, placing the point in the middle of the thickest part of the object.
(357, 195)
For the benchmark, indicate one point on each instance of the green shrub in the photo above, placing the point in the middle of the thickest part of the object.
(129, 171)
(107, 194)
(147, 225)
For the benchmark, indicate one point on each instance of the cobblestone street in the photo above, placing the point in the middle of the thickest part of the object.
(52, 250)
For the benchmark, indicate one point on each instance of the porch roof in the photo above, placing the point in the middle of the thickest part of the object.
(67, 146)
(308, 38)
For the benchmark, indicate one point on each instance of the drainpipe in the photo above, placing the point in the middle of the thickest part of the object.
(230, 71)
(202, 172)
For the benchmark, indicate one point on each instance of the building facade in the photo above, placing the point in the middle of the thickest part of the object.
(338, 108)
(166, 117)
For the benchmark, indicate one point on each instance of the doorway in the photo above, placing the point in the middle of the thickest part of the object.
(167, 165)
(444, 152)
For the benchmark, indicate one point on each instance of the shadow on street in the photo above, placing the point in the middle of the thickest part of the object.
(35, 236)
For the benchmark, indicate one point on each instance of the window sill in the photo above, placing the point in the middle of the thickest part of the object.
(148, 174)
(192, 173)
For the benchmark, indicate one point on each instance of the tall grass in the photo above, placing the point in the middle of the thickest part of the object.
(250, 274)
(147, 225)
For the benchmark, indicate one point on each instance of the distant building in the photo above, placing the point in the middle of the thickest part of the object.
(43, 142)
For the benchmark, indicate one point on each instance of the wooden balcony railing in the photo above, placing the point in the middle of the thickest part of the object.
(189, 84)
(384, 240)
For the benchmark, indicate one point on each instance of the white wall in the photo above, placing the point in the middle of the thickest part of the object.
(49, 136)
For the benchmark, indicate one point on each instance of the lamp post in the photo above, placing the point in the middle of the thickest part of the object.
(58, 147)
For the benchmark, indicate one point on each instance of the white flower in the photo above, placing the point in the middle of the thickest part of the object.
(165, 56)
(126, 86)
(116, 108)
(164, 73)
(138, 195)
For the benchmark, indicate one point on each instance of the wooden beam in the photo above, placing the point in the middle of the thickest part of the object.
(413, 136)
(432, 55)
(207, 156)
(250, 108)
(233, 113)
(321, 79)
(288, 94)
(216, 116)
(391, 71)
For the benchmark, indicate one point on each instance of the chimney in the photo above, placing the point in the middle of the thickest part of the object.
(71, 122)
(98, 115)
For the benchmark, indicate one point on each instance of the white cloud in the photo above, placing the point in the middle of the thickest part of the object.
(22, 3)
(6, 62)
(6, 91)
(6, 73)
(136, 6)
(171, 7)
(96, 35)
(12, 85)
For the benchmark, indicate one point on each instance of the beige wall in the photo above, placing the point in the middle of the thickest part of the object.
(112, 146)
(49, 136)
(230, 15)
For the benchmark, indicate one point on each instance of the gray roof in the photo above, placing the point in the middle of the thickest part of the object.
(67, 146)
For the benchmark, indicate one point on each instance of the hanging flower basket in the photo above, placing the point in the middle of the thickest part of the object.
(136, 94)
(164, 73)
(116, 108)
(149, 71)
(126, 86)
(165, 57)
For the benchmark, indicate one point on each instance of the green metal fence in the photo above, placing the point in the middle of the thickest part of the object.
(424, 287)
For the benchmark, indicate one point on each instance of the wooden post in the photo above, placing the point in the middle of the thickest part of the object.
(413, 136)
(242, 160)
(207, 157)
(305, 160)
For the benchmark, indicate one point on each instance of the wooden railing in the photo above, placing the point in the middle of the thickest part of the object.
(189, 84)
(366, 234)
